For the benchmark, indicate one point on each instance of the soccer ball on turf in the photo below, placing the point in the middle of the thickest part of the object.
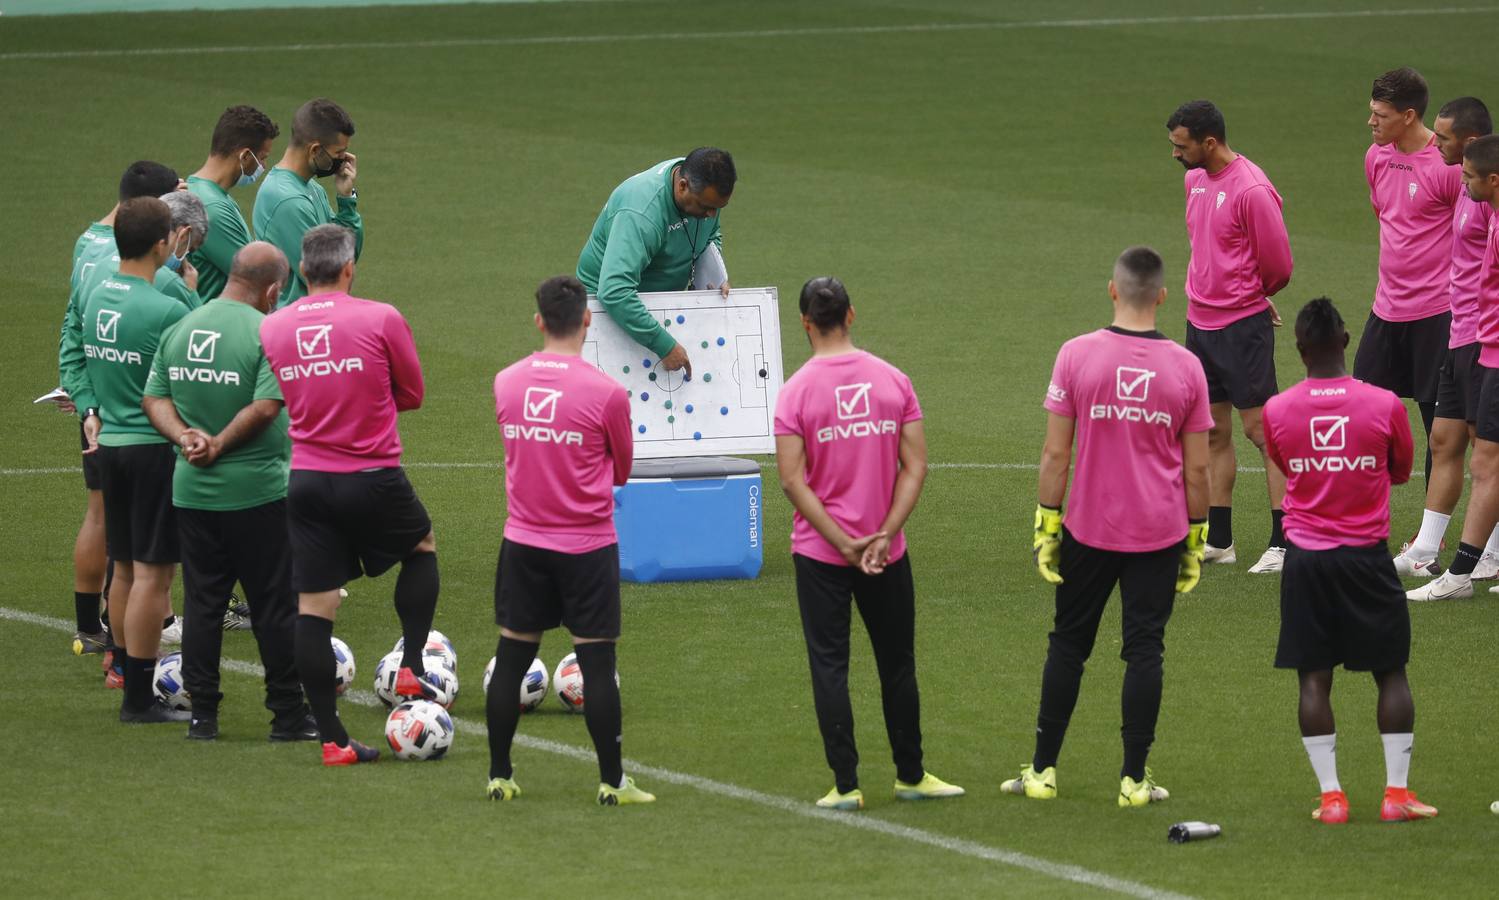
(343, 666)
(438, 643)
(167, 683)
(533, 688)
(419, 729)
(386, 671)
(569, 681)
(447, 685)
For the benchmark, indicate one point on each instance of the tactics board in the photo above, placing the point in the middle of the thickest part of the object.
(728, 404)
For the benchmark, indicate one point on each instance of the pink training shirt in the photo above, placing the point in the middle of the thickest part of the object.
(1341, 443)
(1488, 299)
(1413, 195)
(1134, 397)
(1240, 252)
(849, 410)
(346, 366)
(566, 428)
(1470, 235)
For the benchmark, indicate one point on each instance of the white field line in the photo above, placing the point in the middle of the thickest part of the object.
(762, 33)
(804, 809)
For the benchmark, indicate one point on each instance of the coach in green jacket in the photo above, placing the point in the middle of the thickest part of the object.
(650, 236)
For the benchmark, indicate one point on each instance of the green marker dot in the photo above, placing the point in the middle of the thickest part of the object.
(666, 322)
(708, 377)
(705, 345)
(652, 376)
(668, 404)
(670, 419)
(627, 369)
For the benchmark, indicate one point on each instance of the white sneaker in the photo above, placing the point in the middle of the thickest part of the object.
(1221, 555)
(172, 634)
(1271, 561)
(1448, 586)
(1407, 566)
(343, 594)
(1487, 568)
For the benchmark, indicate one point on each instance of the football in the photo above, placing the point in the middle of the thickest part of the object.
(569, 683)
(533, 688)
(385, 678)
(419, 729)
(343, 662)
(167, 683)
(437, 643)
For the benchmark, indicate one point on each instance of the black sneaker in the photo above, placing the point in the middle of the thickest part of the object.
(157, 713)
(90, 642)
(237, 615)
(303, 729)
(204, 728)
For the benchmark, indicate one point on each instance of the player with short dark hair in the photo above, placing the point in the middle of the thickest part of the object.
(1480, 172)
(212, 392)
(656, 231)
(238, 151)
(1342, 444)
(566, 431)
(1241, 257)
(290, 202)
(1459, 123)
(851, 451)
(1405, 339)
(347, 367)
(121, 323)
(1137, 404)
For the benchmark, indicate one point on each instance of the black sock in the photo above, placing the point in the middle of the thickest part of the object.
(1277, 530)
(86, 610)
(1465, 560)
(502, 707)
(601, 709)
(1049, 737)
(314, 652)
(416, 601)
(138, 675)
(1221, 526)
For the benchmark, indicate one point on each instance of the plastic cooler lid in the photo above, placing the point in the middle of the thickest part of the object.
(693, 467)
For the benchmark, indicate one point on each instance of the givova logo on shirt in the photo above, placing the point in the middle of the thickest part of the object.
(851, 403)
(540, 406)
(1131, 386)
(107, 331)
(315, 347)
(1330, 436)
(202, 344)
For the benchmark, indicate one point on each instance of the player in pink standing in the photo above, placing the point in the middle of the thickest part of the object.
(1342, 444)
(566, 429)
(851, 452)
(1459, 123)
(1138, 405)
(1241, 257)
(1413, 191)
(1481, 180)
(347, 367)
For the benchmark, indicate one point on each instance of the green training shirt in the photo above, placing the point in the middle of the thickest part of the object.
(123, 321)
(227, 232)
(642, 242)
(211, 365)
(287, 207)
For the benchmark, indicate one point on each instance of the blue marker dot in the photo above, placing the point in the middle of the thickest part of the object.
(646, 363)
(723, 410)
(697, 435)
(708, 377)
(720, 342)
(689, 407)
(644, 395)
(681, 319)
(641, 429)
(686, 377)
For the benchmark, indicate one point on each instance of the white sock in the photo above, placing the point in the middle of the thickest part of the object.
(1321, 751)
(1397, 758)
(1493, 545)
(1429, 540)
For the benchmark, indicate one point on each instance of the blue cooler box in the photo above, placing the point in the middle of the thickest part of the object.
(689, 519)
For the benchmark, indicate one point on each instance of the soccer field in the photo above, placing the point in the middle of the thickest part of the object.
(970, 170)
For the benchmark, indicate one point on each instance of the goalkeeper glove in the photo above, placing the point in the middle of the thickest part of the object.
(1047, 546)
(1190, 571)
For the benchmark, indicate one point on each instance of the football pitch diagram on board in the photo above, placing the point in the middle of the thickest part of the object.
(728, 404)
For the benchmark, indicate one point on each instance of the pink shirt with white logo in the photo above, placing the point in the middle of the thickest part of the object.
(346, 367)
(566, 429)
(1488, 299)
(1413, 195)
(848, 409)
(1134, 396)
(1240, 252)
(1341, 444)
(1470, 235)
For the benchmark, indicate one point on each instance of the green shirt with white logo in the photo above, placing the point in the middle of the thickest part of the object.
(123, 320)
(287, 208)
(211, 365)
(227, 232)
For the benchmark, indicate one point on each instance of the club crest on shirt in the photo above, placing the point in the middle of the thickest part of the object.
(1221, 197)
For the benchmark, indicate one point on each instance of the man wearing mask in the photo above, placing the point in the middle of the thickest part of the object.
(237, 157)
(290, 203)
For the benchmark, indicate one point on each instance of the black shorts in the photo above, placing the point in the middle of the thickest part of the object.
(1345, 607)
(536, 589)
(90, 464)
(140, 523)
(1488, 404)
(1239, 360)
(1459, 382)
(344, 524)
(1404, 357)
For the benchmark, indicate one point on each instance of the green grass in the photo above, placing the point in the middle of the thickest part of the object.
(972, 187)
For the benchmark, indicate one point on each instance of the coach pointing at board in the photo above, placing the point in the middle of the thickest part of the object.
(659, 232)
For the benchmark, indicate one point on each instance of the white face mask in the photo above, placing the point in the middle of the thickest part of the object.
(247, 180)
